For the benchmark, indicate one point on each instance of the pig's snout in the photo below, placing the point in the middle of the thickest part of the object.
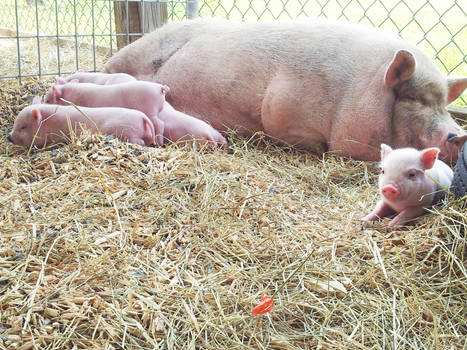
(9, 138)
(451, 137)
(390, 192)
(452, 146)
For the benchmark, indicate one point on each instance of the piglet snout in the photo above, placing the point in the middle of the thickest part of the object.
(9, 138)
(390, 192)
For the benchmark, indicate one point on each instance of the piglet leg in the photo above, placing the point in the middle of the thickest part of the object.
(406, 215)
(381, 210)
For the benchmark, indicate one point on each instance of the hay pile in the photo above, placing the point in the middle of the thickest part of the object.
(107, 245)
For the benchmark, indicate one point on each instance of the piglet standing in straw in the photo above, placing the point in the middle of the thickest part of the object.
(410, 181)
(45, 124)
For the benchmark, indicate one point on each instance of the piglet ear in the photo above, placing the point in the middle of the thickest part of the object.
(429, 156)
(36, 100)
(456, 86)
(61, 81)
(36, 116)
(385, 150)
(74, 81)
(400, 69)
(57, 93)
(165, 89)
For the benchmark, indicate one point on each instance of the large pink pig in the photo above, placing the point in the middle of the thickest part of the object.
(144, 96)
(321, 85)
(46, 124)
(96, 78)
(410, 181)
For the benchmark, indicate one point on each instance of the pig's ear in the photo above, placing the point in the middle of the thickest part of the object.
(36, 100)
(456, 86)
(61, 81)
(74, 81)
(385, 150)
(429, 156)
(401, 68)
(57, 92)
(36, 116)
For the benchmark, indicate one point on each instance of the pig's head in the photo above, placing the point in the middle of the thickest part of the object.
(402, 180)
(420, 118)
(26, 126)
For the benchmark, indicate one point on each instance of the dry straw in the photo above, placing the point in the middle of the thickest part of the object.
(107, 245)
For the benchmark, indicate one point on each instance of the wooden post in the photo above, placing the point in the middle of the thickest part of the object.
(133, 20)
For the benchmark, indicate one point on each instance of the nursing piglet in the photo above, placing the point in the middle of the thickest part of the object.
(183, 127)
(45, 124)
(410, 181)
(96, 78)
(143, 96)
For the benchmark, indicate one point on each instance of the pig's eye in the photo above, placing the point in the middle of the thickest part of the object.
(23, 127)
(412, 174)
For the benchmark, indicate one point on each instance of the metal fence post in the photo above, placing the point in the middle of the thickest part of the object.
(191, 9)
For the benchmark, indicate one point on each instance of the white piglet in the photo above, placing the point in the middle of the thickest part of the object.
(410, 181)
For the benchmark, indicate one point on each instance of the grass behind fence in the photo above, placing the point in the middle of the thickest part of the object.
(438, 27)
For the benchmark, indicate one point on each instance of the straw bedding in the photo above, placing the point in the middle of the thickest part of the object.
(107, 245)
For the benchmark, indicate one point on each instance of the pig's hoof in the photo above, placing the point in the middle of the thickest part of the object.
(459, 181)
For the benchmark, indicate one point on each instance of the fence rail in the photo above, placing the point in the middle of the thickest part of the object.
(49, 37)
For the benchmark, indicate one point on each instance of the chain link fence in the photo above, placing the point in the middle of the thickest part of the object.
(49, 37)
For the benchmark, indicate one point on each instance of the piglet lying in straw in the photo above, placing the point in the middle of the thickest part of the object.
(410, 181)
(45, 124)
(145, 96)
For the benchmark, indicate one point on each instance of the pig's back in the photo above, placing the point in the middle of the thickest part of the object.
(226, 70)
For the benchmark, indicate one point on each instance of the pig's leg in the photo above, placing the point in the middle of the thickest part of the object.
(406, 215)
(381, 210)
(159, 127)
(284, 117)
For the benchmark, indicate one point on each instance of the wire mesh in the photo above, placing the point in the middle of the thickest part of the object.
(48, 37)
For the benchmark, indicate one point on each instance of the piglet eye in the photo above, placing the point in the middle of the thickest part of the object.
(412, 174)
